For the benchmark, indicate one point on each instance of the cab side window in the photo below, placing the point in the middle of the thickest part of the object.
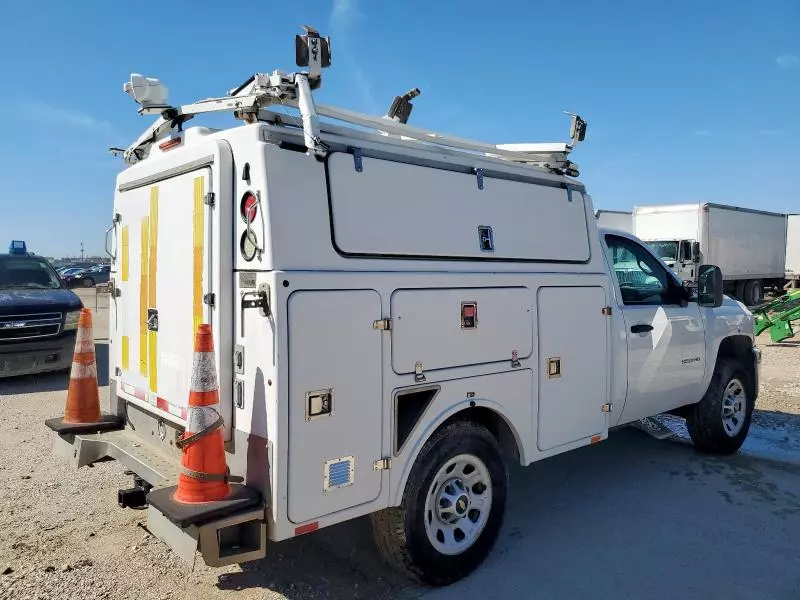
(642, 279)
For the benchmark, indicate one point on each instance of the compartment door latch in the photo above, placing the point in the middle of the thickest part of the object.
(258, 299)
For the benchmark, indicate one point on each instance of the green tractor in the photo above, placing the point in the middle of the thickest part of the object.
(777, 316)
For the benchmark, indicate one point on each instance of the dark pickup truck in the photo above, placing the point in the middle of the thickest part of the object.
(38, 316)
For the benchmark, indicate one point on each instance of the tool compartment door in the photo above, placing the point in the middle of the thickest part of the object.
(573, 364)
(335, 408)
(165, 270)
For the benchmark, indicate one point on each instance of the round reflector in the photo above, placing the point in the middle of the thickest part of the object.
(248, 245)
(248, 207)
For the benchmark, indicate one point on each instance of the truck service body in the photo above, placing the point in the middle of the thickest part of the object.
(748, 245)
(391, 316)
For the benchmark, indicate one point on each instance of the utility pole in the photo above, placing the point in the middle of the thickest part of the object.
(81, 251)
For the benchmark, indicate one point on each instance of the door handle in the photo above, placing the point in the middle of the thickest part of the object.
(641, 328)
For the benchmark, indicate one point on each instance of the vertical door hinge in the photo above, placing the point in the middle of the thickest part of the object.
(382, 464)
(569, 193)
(357, 159)
(209, 299)
(382, 324)
(479, 177)
(209, 199)
(607, 407)
(606, 311)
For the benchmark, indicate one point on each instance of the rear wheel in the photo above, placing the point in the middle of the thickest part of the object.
(738, 291)
(753, 293)
(719, 423)
(452, 508)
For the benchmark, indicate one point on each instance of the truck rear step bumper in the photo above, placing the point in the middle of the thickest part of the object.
(228, 532)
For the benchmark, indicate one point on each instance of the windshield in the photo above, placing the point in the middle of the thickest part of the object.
(666, 251)
(27, 273)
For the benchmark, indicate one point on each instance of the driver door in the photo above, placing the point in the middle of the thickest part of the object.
(666, 341)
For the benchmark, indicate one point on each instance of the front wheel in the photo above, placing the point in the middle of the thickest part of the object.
(719, 423)
(88, 282)
(452, 509)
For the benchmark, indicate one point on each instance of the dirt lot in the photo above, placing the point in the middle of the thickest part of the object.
(631, 517)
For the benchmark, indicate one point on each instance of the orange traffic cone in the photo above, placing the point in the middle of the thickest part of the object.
(204, 475)
(82, 412)
(83, 397)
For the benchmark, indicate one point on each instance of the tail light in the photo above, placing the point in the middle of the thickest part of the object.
(248, 207)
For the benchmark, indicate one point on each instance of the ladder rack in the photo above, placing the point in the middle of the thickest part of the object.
(250, 102)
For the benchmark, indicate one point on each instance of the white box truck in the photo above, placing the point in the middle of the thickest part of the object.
(793, 250)
(615, 219)
(396, 312)
(748, 245)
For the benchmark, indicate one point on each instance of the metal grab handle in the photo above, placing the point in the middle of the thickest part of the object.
(113, 256)
(641, 328)
(117, 218)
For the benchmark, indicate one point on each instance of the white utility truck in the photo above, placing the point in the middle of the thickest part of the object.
(615, 219)
(396, 313)
(749, 246)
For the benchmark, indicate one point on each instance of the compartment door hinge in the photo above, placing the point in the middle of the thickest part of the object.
(607, 311)
(479, 177)
(382, 324)
(382, 464)
(357, 159)
(209, 199)
(607, 407)
(209, 299)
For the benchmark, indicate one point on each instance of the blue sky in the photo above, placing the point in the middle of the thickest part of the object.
(686, 100)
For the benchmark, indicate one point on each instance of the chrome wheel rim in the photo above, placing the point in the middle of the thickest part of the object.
(458, 504)
(734, 407)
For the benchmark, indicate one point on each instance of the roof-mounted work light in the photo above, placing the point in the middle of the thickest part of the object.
(148, 92)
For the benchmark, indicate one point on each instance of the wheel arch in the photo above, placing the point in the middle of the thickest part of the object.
(487, 413)
(739, 347)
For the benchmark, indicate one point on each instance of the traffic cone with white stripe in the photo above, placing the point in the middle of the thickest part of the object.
(83, 396)
(82, 412)
(204, 474)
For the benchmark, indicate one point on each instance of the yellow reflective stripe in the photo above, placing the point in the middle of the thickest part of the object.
(125, 351)
(125, 251)
(151, 276)
(143, 298)
(199, 190)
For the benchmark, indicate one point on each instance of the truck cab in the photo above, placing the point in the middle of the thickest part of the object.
(38, 315)
(682, 256)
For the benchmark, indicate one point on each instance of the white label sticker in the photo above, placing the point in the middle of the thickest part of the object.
(247, 280)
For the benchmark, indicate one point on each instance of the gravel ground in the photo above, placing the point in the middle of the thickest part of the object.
(62, 536)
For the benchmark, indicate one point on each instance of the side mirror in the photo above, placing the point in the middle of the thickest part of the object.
(709, 286)
(696, 252)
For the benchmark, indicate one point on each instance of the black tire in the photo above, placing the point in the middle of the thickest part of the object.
(87, 282)
(738, 291)
(753, 293)
(400, 532)
(704, 419)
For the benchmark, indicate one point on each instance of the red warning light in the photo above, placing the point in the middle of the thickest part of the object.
(248, 207)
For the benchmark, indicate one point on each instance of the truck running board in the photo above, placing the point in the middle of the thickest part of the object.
(653, 427)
